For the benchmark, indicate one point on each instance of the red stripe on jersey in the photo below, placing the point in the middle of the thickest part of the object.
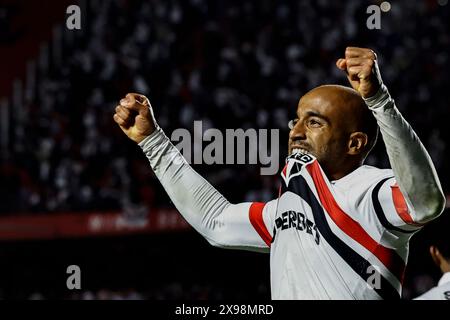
(284, 170)
(401, 207)
(256, 218)
(353, 229)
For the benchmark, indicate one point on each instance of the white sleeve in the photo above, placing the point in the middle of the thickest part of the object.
(223, 224)
(391, 208)
(413, 168)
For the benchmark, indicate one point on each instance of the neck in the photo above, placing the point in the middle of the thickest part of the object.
(445, 266)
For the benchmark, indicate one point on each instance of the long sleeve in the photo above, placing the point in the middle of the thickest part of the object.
(223, 224)
(412, 166)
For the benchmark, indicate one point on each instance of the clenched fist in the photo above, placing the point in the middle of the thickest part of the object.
(360, 65)
(135, 117)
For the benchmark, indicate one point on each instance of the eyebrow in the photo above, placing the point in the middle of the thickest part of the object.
(318, 115)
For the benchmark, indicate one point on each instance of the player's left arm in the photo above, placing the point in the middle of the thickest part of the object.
(412, 165)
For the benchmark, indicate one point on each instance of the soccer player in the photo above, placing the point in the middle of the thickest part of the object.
(339, 229)
(440, 253)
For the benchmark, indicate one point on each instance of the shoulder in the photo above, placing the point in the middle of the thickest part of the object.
(364, 178)
(428, 295)
(441, 292)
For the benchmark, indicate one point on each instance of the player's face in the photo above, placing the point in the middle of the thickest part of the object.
(320, 129)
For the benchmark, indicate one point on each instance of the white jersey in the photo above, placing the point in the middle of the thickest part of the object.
(346, 239)
(440, 292)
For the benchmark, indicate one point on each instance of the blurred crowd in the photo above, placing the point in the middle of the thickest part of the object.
(170, 291)
(232, 64)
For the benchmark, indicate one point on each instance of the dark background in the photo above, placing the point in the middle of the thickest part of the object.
(232, 64)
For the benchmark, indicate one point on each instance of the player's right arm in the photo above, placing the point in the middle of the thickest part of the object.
(238, 226)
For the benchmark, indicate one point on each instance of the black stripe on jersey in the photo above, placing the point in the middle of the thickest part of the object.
(379, 210)
(360, 265)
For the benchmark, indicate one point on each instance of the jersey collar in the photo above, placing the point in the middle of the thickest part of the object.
(347, 177)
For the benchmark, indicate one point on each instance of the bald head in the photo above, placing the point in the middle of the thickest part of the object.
(349, 110)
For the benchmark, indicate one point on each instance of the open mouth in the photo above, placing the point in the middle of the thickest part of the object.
(299, 150)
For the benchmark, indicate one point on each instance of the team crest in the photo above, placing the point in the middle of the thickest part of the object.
(294, 165)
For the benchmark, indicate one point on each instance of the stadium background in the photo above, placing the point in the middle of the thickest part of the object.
(74, 190)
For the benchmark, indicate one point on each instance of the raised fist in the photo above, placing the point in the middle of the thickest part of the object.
(360, 65)
(135, 117)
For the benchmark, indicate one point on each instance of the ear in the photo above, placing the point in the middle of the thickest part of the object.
(357, 143)
(435, 255)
